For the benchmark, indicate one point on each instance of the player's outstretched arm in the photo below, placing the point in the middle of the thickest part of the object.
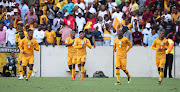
(88, 44)
(154, 45)
(36, 46)
(130, 45)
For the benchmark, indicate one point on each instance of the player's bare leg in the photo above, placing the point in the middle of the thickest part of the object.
(161, 75)
(73, 72)
(118, 76)
(82, 70)
(128, 76)
(30, 71)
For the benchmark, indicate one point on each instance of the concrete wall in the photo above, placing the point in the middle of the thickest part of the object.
(140, 62)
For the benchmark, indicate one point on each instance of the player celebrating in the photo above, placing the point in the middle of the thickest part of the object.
(80, 44)
(160, 45)
(120, 46)
(28, 45)
(72, 54)
(21, 37)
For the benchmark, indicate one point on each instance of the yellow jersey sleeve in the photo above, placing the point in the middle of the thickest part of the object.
(129, 43)
(154, 45)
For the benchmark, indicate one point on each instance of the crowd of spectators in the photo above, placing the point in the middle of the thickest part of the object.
(53, 20)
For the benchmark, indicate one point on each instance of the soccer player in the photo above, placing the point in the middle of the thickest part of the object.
(72, 53)
(160, 45)
(28, 46)
(120, 47)
(81, 43)
(21, 37)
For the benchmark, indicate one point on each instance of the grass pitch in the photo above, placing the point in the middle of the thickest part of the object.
(54, 84)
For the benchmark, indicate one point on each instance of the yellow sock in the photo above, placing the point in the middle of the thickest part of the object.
(79, 68)
(29, 74)
(161, 76)
(127, 73)
(21, 70)
(70, 70)
(82, 72)
(73, 73)
(118, 75)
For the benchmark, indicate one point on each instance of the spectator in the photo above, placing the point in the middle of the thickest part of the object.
(50, 36)
(58, 21)
(151, 37)
(65, 31)
(35, 26)
(147, 16)
(106, 35)
(127, 9)
(10, 36)
(31, 15)
(113, 33)
(8, 21)
(134, 5)
(137, 37)
(2, 36)
(122, 5)
(177, 41)
(91, 19)
(80, 4)
(117, 14)
(24, 9)
(106, 19)
(69, 20)
(111, 5)
(11, 64)
(98, 37)
(90, 9)
(127, 34)
(43, 16)
(2, 13)
(50, 13)
(145, 33)
(175, 15)
(103, 11)
(90, 35)
(39, 35)
(69, 6)
(80, 21)
(166, 16)
(58, 37)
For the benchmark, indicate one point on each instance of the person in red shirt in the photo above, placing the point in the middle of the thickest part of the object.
(91, 19)
(137, 36)
(69, 20)
(147, 16)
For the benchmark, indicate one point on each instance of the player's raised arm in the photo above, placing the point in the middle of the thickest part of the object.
(130, 45)
(88, 43)
(154, 45)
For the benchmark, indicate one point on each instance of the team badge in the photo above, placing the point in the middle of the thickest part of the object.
(162, 43)
(29, 43)
(119, 42)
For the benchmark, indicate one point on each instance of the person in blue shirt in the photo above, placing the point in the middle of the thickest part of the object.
(8, 21)
(151, 37)
(69, 6)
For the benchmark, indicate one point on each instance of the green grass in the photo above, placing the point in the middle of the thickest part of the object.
(60, 84)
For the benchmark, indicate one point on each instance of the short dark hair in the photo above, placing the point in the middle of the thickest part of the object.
(81, 32)
(30, 30)
(170, 36)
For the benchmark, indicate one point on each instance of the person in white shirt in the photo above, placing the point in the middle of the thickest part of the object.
(12, 3)
(80, 22)
(90, 9)
(166, 15)
(111, 5)
(80, 4)
(117, 14)
(87, 2)
(5, 3)
(39, 35)
(145, 33)
(103, 12)
(10, 36)
(113, 33)
(57, 21)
